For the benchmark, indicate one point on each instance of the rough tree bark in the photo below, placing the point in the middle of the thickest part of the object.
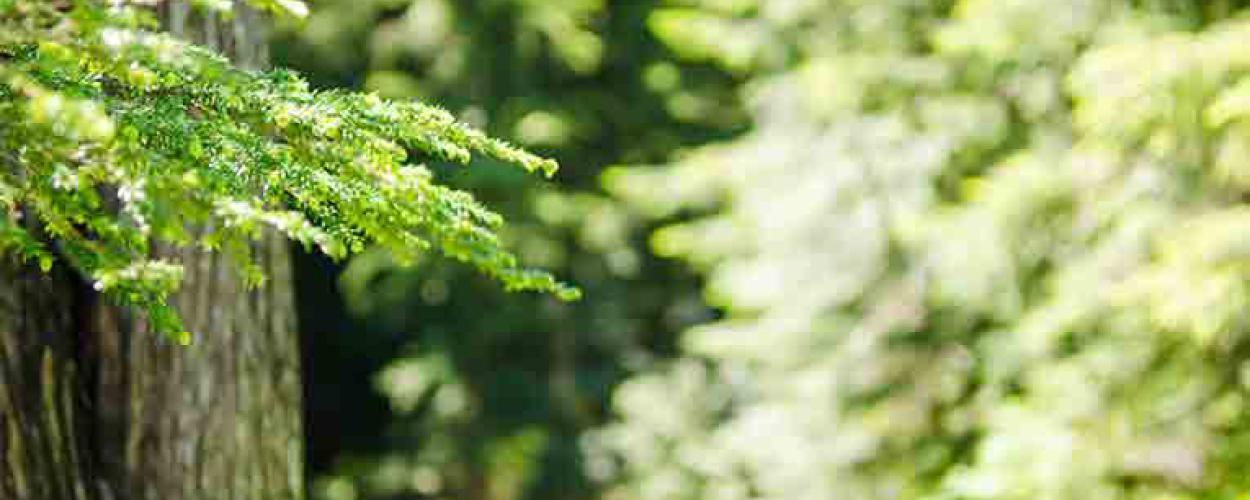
(93, 407)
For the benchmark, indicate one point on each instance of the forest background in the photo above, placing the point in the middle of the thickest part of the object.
(829, 248)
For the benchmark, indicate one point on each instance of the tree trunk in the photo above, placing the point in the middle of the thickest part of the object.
(94, 407)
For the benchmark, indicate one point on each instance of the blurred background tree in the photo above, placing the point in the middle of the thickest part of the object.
(974, 249)
(929, 249)
(484, 394)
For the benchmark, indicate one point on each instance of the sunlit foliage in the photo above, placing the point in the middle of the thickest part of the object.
(118, 138)
(978, 249)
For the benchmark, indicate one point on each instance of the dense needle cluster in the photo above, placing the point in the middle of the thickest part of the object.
(117, 138)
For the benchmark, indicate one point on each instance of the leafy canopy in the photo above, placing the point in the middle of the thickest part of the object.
(983, 249)
(119, 138)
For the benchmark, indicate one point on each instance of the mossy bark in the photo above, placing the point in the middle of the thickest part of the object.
(44, 444)
(94, 407)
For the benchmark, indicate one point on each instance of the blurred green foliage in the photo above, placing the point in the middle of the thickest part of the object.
(988, 249)
(984, 249)
(491, 393)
